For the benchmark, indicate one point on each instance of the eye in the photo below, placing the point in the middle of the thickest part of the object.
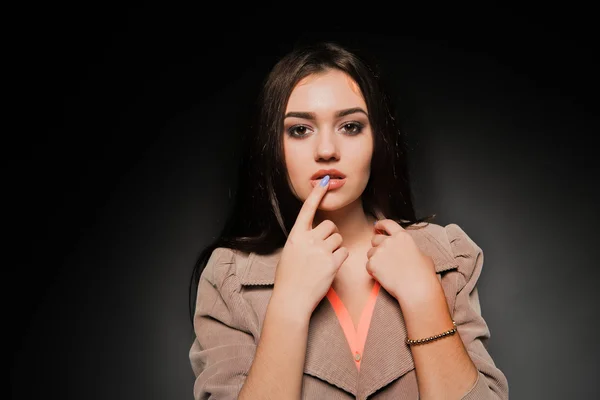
(298, 131)
(353, 127)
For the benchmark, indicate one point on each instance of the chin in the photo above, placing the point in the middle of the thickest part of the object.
(324, 206)
(330, 203)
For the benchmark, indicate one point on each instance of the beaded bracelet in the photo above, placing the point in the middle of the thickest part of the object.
(441, 335)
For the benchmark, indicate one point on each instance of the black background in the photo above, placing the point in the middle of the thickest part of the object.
(123, 153)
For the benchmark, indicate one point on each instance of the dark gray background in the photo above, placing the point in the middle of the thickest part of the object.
(122, 169)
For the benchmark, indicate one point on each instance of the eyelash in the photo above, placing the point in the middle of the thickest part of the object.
(357, 125)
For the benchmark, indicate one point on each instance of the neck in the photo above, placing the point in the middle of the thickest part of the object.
(355, 227)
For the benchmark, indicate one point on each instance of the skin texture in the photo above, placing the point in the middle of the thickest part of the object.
(331, 142)
(444, 369)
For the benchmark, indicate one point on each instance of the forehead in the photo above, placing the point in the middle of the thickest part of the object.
(329, 90)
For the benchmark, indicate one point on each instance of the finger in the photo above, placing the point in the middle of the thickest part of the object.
(376, 240)
(379, 231)
(325, 229)
(333, 242)
(371, 252)
(339, 256)
(388, 226)
(311, 204)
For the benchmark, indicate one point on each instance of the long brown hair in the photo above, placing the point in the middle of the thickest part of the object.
(264, 208)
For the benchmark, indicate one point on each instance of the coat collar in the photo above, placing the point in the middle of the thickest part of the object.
(386, 356)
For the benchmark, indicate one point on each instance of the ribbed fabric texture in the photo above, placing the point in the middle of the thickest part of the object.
(356, 337)
(235, 290)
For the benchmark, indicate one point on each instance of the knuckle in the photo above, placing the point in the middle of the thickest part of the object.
(292, 237)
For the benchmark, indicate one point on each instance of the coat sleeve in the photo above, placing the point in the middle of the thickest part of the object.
(491, 382)
(224, 345)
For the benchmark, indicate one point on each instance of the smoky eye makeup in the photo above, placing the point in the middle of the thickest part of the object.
(297, 130)
(350, 128)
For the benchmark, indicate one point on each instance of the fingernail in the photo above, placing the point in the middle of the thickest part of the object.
(324, 181)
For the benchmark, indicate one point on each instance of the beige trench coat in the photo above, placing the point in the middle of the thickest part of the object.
(234, 292)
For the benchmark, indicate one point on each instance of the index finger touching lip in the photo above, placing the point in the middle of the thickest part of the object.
(311, 204)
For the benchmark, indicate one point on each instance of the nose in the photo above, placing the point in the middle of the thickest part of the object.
(326, 145)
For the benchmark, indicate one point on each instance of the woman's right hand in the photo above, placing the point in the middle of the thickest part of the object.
(309, 260)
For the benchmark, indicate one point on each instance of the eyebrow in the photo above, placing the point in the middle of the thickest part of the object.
(312, 116)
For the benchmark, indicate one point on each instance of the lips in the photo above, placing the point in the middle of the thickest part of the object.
(333, 174)
(333, 183)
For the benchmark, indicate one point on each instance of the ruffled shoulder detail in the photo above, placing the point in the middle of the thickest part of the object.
(467, 254)
(221, 264)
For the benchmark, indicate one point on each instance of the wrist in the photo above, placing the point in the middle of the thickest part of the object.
(287, 309)
(419, 292)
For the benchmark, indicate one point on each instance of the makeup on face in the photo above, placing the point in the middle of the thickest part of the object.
(326, 126)
(334, 183)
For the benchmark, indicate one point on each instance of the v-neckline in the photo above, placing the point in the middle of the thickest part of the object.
(355, 336)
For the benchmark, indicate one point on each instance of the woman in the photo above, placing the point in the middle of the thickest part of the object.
(324, 284)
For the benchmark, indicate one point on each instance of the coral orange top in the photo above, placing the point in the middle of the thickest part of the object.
(356, 337)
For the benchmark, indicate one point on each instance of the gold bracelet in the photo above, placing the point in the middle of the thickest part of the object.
(441, 335)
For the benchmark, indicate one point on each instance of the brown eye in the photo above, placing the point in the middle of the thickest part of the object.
(353, 127)
(298, 131)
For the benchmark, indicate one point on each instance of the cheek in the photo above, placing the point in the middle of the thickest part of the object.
(290, 157)
(363, 155)
(363, 168)
(293, 163)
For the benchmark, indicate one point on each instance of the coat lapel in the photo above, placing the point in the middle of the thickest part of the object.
(386, 355)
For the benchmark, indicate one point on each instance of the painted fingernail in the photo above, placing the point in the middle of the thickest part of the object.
(324, 181)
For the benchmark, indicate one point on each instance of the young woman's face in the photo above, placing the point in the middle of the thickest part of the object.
(326, 126)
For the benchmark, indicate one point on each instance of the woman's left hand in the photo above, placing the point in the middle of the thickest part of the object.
(396, 262)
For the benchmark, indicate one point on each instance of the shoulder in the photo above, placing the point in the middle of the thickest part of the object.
(223, 263)
(458, 245)
(219, 294)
